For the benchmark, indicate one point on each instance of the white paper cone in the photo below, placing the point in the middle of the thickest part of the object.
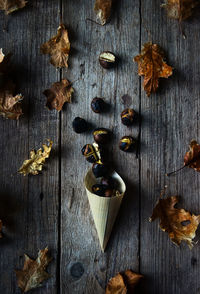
(104, 209)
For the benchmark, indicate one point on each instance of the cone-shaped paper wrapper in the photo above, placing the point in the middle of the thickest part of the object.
(104, 209)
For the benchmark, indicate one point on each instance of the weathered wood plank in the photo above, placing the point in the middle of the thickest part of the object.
(170, 121)
(31, 216)
(83, 266)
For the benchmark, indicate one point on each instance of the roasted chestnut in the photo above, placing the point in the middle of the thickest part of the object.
(99, 169)
(128, 116)
(107, 59)
(89, 152)
(79, 125)
(101, 135)
(127, 143)
(108, 181)
(102, 190)
(98, 105)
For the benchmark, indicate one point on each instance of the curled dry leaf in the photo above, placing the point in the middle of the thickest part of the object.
(123, 283)
(103, 10)
(1, 225)
(37, 160)
(192, 157)
(33, 273)
(58, 48)
(180, 9)
(152, 66)
(58, 94)
(10, 106)
(178, 223)
(11, 5)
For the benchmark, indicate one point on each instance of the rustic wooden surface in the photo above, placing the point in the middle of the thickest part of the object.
(52, 209)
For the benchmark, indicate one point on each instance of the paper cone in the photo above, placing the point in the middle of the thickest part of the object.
(104, 209)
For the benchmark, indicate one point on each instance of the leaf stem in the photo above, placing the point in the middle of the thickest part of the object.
(169, 174)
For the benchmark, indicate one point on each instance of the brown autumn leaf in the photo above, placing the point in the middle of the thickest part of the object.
(103, 10)
(37, 160)
(152, 66)
(4, 62)
(123, 283)
(58, 48)
(1, 225)
(11, 5)
(178, 223)
(10, 105)
(33, 273)
(180, 9)
(58, 94)
(192, 157)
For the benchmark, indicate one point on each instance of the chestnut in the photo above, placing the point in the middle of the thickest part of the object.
(128, 116)
(79, 125)
(108, 181)
(127, 143)
(101, 135)
(89, 152)
(107, 59)
(98, 105)
(99, 169)
(99, 189)
(102, 190)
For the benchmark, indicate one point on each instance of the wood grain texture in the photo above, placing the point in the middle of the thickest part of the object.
(52, 209)
(79, 242)
(31, 202)
(170, 121)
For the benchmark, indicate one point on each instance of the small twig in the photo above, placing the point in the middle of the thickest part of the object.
(89, 19)
(169, 174)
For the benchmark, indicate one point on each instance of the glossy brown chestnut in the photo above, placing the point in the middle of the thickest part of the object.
(107, 59)
(127, 143)
(128, 116)
(101, 135)
(89, 152)
(98, 105)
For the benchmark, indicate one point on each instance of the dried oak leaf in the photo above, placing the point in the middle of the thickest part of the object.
(103, 10)
(58, 94)
(178, 223)
(33, 273)
(11, 5)
(10, 106)
(58, 48)
(152, 66)
(192, 157)
(180, 9)
(37, 160)
(1, 225)
(123, 283)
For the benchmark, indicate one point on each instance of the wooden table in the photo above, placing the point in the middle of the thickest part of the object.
(52, 209)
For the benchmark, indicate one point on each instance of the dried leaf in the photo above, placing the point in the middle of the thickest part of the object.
(116, 285)
(4, 62)
(37, 160)
(178, 223)
(11, 5)
(58, 94)
(123, 283)
(1, 225)
(180, 9)
(192, 157)
(132, 279)
(58, 48)
(103, 10)
(10, 106)
(152, 66)
(33, 273)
